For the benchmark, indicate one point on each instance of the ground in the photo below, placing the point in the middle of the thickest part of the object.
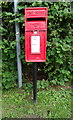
(52, 102)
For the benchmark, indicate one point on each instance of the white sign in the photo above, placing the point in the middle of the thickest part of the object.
(35, 44)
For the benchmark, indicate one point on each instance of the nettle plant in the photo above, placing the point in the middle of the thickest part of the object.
(58, 66)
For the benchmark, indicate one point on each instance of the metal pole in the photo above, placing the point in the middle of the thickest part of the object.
(35, 82)
(19, 67)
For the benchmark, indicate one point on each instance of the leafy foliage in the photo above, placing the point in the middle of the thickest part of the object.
(8, 47)
(58, 66)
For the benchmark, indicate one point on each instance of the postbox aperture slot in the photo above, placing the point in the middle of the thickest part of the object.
(35, 19)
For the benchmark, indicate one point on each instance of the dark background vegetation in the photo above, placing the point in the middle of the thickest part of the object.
(58, 67)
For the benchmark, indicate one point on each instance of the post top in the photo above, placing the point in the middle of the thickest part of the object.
(36, 8)
(36, 12)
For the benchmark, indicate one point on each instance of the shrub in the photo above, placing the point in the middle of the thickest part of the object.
(58, 66)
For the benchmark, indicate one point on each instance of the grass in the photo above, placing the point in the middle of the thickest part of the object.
(51, 103)
(0, 103)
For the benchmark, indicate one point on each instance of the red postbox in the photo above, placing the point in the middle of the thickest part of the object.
(35, 34)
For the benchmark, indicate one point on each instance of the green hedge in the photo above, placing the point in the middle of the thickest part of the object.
(58, 66)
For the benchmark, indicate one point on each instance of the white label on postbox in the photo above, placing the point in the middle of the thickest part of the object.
(35, 44)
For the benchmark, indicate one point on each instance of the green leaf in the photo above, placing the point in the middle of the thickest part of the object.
(20, 7)
(53, 82)
(60, 19)
(12, 55)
